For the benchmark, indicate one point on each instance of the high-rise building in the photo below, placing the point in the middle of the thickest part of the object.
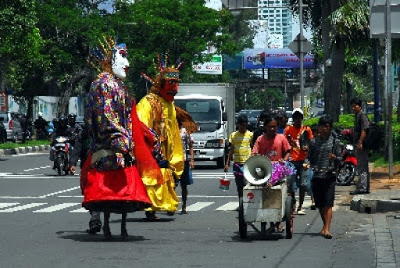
(278, 18)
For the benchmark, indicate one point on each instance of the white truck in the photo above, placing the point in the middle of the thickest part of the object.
(212, 106)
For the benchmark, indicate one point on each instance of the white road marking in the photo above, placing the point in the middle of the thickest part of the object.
(57, 207)
(20, 197)
(18, 175)
(198, 205)
(4, 205)
(80, 210)
(59, 192)
(22, 207)
(230, 206)
(46, 167)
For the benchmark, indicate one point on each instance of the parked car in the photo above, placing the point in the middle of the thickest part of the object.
(3, 132)
(252, 117)
(289, 117)
(12, 125)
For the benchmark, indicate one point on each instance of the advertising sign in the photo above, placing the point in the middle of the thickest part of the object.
(274, 58)
(212, 67)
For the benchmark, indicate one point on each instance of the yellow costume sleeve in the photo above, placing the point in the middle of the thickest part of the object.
(145, 112)
(176, 158)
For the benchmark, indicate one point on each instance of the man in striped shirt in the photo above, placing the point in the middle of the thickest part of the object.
(240, 151)
(324, 155)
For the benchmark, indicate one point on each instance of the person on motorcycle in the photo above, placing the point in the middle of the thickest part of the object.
(25, 124)
(64, 130)
(40, 126)
(75, 129)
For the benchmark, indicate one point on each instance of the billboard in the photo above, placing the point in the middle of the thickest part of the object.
(212, 67)
(271, 58)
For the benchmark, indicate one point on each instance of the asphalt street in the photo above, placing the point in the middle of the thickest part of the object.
(43, 225)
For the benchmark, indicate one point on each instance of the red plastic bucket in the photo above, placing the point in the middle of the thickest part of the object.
(224, 183)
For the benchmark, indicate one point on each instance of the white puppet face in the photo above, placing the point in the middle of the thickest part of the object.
(119, 61)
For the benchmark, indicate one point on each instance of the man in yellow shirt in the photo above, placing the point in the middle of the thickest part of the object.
(240, 151)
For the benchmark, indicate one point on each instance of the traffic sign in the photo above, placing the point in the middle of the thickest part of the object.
(294, 46)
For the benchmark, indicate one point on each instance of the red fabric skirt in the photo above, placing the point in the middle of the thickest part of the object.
(117, 191)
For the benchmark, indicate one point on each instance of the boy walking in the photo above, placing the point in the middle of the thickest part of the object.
(298, 154)
(240, 151)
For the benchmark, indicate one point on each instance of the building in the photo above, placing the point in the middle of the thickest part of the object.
(273, 15)
(278, 19)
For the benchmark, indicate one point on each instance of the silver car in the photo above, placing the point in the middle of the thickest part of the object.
(12, 125)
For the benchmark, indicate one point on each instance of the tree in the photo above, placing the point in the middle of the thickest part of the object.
(183, 29)
(337, 26)
(19, 36)
(70, 28)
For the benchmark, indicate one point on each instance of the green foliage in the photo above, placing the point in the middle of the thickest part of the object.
(183, 29)
(346, 121)
(12, 145)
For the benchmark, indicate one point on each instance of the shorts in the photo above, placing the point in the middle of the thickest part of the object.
(324, 191)
(299, 180)
(187, 177)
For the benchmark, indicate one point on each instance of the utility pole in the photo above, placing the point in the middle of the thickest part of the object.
(301, 55)
(389, 85)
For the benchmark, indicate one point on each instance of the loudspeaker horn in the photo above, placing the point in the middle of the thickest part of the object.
(257, 170)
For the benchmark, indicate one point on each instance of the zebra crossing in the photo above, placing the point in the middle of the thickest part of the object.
(75, 207)
(196, 203)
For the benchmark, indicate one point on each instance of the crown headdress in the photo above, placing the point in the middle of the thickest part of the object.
(100, 56)
(164, 72)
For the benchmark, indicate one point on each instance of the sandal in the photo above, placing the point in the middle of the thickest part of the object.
(328, 236)
(279, 227)
(94, 226)
(151, 216)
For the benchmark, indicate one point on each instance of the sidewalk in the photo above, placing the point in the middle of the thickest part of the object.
(383, 203)
(384, 192)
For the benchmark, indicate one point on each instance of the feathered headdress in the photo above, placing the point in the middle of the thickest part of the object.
(101, 56)
(164, 72)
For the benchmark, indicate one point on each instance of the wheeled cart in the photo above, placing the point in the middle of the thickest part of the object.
(265, 204)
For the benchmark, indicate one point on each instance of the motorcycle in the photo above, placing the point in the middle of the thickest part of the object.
(41, 134)
(347, 169)
(61, 155)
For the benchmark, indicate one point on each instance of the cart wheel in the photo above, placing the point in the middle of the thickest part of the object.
(242, 223)
(263, 228)
(289, 217)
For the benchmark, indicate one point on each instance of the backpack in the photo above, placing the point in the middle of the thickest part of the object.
(373, 138)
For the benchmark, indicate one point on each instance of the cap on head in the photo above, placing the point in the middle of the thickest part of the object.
(40, 114)
(72, 116)
(298, 110)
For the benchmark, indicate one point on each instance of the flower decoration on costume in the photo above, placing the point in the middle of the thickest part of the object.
(281, 170)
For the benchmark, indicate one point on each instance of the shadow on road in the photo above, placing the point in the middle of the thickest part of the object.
(81, 236)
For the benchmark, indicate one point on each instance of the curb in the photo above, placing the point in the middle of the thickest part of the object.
(24, 150)
(374, 205)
